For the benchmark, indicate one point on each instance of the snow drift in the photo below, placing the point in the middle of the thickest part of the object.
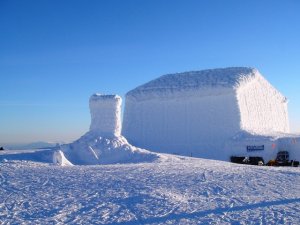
(60, 159)
(103, 144)
(92, 149)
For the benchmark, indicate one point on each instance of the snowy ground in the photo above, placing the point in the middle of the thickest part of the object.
(185, 191)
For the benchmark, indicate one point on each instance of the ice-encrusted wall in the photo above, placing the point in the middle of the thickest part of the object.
(105, 114)
(197, 113)
(263, 109)
(186, 126)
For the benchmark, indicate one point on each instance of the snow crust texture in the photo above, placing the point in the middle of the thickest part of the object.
(189, 191)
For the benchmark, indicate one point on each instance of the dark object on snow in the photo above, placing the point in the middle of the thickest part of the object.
(1, 149)
(255, 160)
(295, 163)
(282, 159)
(237, 159)
(272, 162)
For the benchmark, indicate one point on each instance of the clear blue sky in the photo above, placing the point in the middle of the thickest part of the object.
(54, 54)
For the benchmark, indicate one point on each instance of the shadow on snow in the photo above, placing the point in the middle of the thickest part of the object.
(194, 215)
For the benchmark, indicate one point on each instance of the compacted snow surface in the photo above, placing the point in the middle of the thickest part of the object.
(176, 190)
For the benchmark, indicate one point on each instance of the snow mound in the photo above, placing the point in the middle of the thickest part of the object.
(93, 149)
(103, 144)
(60, 159)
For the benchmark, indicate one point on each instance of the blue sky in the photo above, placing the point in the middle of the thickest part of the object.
(55, 54)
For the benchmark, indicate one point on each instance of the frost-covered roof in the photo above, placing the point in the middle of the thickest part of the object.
(103, 97)
(211, 78)
(209, 82)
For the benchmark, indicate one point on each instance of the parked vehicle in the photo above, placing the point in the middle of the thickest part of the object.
(252, 160)
(282, 159)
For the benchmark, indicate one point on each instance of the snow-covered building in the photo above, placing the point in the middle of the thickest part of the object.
(199, 113)
(105, 114)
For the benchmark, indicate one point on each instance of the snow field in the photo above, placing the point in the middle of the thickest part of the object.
(181, 191)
